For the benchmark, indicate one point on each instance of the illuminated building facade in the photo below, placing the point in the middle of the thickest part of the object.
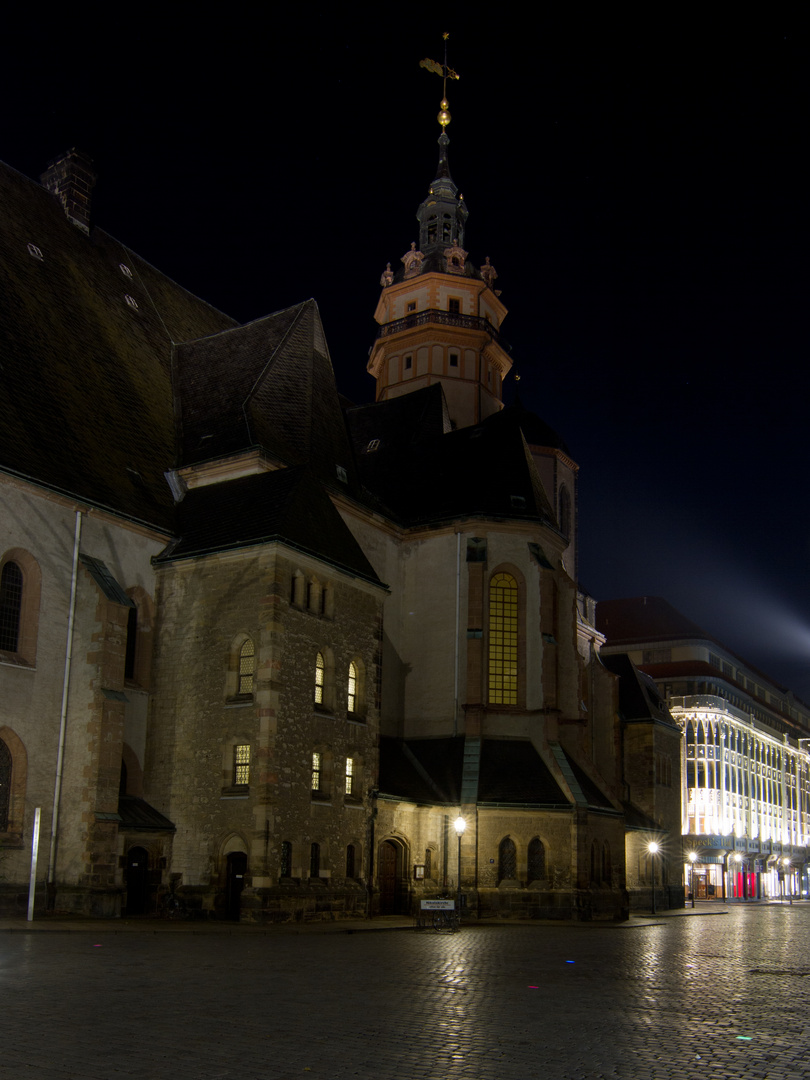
(745, 770)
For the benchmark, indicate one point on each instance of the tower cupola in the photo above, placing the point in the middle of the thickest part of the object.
(439, 315)
(443, 213)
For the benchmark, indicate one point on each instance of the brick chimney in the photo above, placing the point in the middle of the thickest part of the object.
(71, 178)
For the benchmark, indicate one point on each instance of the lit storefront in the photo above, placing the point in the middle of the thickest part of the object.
(746, 804)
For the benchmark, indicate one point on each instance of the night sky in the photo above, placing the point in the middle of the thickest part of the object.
(641, 189)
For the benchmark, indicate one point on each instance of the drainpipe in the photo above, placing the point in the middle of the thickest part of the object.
(57, 788)
(458, 608)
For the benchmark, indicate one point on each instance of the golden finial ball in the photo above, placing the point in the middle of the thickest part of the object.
(444, 115)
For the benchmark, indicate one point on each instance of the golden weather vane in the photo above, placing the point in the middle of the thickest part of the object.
(446, 73)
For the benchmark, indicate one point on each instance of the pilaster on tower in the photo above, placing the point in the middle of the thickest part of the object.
(439, 315)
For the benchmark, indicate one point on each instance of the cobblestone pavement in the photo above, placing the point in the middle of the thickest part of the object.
(685, 997)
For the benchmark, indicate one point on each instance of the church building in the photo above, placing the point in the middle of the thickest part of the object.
(264, 649)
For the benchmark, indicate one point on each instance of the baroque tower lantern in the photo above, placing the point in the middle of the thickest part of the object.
(440, 315)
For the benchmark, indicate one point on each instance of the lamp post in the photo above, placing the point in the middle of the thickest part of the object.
(653, 850)
(692, 861)
(459, 825)
(787, 880)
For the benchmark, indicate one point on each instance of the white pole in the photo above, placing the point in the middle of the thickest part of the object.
(32, 884)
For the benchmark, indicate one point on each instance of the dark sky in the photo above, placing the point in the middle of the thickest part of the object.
(641, 188)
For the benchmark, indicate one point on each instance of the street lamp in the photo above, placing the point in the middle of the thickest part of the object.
(459, 825)
(692, 861)
(653, 850)
(787, 881)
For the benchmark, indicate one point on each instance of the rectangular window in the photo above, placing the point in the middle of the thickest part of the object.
(453, 359)
(316, 772)
(454, 305)
(349, 774)
(241, 765)
(411, 305)
(408, 363)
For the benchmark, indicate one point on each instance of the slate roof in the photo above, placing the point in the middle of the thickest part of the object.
(288, 505)
(639, 697)
(511, 772)
(644, 618)
(85, 381)
(269, 383)
(422, 473)
(535, 430)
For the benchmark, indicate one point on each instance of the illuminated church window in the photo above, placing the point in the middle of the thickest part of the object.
(11, 590)
(503, 640)
(246, 667)
(320, 671)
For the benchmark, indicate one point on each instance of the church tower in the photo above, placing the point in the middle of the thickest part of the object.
(439, 315)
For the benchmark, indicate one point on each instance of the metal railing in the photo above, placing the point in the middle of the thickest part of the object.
(443, 318)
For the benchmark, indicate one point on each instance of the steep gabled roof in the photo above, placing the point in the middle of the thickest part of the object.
(644, 618)
(85, 381)
(639, 697)
(289, 506)
(268, 384)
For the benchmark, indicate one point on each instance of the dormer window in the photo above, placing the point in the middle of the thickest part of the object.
(133, 303)
(125, 270)
(342, 474)
(34, 252)
(373, 444)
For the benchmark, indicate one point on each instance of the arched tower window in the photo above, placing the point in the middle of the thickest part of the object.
(502, 672)
(247, 661)
(320, 679)
(352, 690)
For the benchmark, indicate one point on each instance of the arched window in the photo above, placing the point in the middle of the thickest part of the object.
(247, 662)
(315, 861)
(507, 860)
(5, 784)
(11, 592)
(428, 862)
(595, 864)
(503, 640)
(537, 860)
(352, 695)
(320, 679)
(607, 869)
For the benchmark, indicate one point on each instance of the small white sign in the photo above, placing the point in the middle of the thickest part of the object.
(438, 905)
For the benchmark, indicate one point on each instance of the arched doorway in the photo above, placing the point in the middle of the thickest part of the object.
(235, 869)
(393, 896)
(137, 880)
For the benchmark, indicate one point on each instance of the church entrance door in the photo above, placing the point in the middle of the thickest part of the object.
(234, 883)
(390, 878)
(137, 879)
